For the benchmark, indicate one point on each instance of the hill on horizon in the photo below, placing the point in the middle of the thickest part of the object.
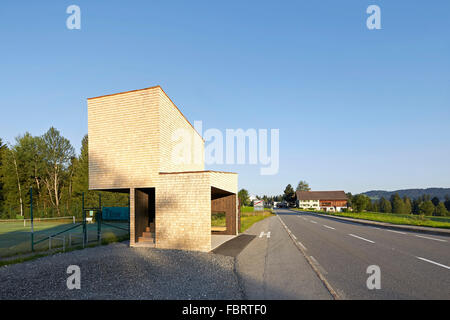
(410, 193)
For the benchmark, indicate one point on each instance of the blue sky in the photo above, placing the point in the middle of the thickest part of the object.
(357, 109)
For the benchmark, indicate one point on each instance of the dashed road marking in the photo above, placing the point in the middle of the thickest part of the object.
(350, 234)
(394, 231)
(329, 227)
(438, 264)
(312, 221)
(435, 239)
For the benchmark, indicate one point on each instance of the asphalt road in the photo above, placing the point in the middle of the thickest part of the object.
(272, 267)
(412, 265)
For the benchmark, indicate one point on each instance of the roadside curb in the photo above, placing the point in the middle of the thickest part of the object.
(426, 230)
(325, 282)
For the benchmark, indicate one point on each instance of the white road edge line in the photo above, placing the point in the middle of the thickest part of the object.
(435, 239)
(329, 227)
(314, 259)
(291, 234)
(301, 245)
(361, 238)
(330, 289)
(438, 264)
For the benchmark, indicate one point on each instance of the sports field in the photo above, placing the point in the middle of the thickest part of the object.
(15, 236)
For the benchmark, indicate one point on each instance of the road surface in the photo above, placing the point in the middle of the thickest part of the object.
(412, 265)
(271, 266)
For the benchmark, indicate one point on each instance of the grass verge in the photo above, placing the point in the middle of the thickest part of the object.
(29, 257)
(248, 218)
(413, 220)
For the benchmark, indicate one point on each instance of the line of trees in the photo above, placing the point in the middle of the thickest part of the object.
(420, 206)
(289, 194)
(49, 165)
(244, 197)
(424, 205)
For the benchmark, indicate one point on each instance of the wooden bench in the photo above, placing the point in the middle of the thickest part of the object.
(218, 229)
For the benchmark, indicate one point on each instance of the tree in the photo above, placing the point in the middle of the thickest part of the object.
(435, 201)
(375, 206)
(349, 199)
(385, 205)
(289, 194)
(303, 186)
(80, 181)
(369, 205)
(3, 148)
(244, 197)
(397, 204)
(48, 165)
(57, 152)
(447, 202)
(360, 202)
(30, 164)
(407, 208)
(415, 206)
(13, 179)
(426, 208)
(441, 210)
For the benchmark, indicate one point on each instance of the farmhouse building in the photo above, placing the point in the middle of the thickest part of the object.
(140, 143)
(322, 200)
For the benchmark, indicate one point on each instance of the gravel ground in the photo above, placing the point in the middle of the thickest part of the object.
(118, 272)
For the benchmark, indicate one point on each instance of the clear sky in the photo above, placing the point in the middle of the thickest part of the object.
(357, 109)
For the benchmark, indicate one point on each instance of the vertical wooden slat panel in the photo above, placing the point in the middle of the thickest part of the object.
(226, 204)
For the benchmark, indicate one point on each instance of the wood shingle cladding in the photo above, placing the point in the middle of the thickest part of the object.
(134, 143)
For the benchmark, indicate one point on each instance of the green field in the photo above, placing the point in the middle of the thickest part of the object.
(246, 209)
(15, 238)
(394, 218)
(248, 217)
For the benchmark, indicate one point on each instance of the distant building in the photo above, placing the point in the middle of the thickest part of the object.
(333, 201)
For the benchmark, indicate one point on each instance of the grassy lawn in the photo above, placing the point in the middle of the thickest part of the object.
(403, 219)
(15, 237)
(246, 209)
(248, 217)
(218, 219)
